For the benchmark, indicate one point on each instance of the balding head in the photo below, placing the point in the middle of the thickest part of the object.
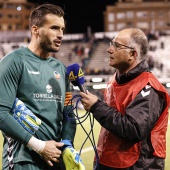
(137, 39)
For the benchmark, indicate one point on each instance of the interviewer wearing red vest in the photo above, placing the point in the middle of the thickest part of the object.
(134, 116)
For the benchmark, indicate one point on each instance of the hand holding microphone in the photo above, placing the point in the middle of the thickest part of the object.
(76, 76)
(88, 100)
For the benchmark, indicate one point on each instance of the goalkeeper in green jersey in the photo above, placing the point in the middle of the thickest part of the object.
(41, 83)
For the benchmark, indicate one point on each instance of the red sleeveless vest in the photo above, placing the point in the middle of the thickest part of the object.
(118, 153)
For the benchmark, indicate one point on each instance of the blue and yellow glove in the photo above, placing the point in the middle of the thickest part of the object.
(25, 117)
(71, 157)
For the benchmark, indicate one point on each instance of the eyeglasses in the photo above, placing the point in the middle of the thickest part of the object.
(118, 46)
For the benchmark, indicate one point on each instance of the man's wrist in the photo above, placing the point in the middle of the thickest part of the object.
(36, 144)
(92, 109)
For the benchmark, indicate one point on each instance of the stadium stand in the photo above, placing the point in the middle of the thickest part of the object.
(91, 54)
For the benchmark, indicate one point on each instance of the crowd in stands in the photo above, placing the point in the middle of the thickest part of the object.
(83, 51)
(85, 48)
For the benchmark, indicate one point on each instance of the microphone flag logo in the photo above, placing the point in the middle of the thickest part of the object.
(80, 73)
(76, 76)
(73, 77)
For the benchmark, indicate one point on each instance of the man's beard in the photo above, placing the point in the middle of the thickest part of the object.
(46, 45)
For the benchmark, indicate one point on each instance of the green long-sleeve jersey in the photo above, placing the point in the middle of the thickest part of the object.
(43, 85)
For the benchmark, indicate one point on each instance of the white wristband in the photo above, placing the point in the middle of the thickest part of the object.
(36, 144)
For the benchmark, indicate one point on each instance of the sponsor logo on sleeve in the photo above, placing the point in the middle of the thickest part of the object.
(145, 92)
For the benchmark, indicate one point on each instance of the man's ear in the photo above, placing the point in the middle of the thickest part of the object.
(34, 30)
(132, 53)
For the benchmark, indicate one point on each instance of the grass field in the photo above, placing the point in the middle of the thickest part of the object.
(87, 154)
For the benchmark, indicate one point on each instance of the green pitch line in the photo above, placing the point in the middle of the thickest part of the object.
(86, 150)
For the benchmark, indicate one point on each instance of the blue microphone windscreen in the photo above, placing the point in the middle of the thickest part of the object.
(75, 74)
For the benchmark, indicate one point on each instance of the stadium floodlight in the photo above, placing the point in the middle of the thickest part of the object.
(99, 86)
(167, 84)
(97, 80)
(18, 8)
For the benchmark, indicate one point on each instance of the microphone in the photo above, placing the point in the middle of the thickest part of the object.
(76, 76)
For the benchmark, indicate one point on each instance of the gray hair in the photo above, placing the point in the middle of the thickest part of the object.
(139, 41)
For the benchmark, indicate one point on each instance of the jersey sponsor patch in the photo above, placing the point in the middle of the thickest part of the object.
(49, 89)
(56, 75)
(145, 92)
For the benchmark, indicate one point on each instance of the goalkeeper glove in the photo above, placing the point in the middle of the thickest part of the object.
(25, 117)
(71, 157)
